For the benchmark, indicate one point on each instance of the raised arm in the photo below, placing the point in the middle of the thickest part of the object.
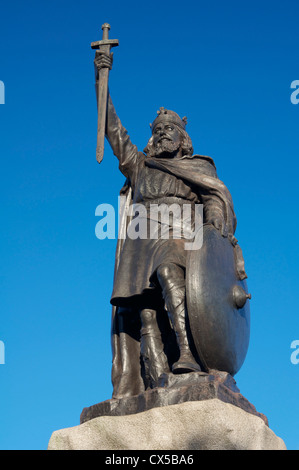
(116, 134)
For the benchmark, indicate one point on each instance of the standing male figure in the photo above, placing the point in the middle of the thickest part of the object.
(150, 273)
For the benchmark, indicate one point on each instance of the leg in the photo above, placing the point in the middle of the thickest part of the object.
(126, 369)
(172, 281)
(152, 348)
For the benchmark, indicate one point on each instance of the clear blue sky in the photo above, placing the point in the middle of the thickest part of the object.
(228, 67)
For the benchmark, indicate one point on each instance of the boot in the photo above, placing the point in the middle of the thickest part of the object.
(172, 282)
(152, 349)
(186, 362)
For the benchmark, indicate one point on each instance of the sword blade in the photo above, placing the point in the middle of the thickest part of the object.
(102, 111)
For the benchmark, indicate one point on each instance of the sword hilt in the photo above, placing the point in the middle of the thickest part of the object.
(106, 28)
(105, 41)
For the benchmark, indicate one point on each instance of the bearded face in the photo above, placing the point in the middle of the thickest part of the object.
(166, 139)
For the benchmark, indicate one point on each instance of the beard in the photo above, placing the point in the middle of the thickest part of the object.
(166, 148)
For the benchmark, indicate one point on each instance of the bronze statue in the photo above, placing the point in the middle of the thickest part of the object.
(175, 311)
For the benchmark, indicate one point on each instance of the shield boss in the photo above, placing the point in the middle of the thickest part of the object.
(217, 302)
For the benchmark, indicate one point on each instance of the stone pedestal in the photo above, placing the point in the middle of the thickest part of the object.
(185, 412)
(196, 425)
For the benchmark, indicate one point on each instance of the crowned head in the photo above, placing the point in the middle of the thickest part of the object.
(169, 137)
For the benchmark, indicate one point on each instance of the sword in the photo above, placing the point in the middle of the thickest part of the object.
(105, 46)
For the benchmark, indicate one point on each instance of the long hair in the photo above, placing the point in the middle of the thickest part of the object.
(186, 144)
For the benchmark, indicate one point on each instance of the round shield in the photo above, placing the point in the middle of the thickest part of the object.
(217, 302)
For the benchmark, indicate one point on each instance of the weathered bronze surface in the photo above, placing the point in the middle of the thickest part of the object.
(173, 390)
(217, 304)
(178, 315)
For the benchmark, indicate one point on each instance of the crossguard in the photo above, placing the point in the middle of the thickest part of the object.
(105, 41)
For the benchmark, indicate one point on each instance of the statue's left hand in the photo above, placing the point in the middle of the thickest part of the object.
(220, 225)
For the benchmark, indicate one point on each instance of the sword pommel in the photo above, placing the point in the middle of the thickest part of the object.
(106, 27)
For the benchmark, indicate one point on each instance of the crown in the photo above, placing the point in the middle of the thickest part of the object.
(165, 115)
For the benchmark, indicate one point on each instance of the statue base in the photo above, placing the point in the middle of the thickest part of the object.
(196, 425)
(176, 389)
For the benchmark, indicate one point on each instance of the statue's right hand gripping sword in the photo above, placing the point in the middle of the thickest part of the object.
(105, 46)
